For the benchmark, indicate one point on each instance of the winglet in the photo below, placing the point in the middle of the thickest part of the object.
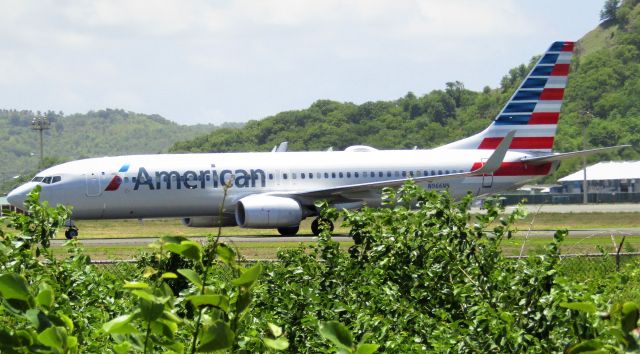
(495, 160)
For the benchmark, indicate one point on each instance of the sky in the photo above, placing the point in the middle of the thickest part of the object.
(215, 61)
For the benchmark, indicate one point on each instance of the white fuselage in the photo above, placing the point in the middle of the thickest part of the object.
(188, 185)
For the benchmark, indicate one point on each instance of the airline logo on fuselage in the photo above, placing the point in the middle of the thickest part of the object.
(199, 179)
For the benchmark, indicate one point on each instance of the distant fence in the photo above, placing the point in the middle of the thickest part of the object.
(570, 198)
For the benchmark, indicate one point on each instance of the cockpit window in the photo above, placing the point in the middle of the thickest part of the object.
(37, 179)
(46, 180)
(55, 179)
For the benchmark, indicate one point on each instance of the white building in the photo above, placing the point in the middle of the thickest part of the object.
(605, 177)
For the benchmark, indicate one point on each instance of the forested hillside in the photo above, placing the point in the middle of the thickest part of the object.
(604, 89)
(99, 133)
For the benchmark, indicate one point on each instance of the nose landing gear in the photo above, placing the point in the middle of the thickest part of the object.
(315, 226)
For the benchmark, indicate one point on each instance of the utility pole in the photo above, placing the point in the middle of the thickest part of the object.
(40, 123)
(586, 119)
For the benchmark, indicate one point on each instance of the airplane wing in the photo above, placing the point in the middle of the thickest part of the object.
(538, 160)
(339, 192)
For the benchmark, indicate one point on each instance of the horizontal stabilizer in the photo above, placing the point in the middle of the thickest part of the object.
(495, 160)
(538, 160)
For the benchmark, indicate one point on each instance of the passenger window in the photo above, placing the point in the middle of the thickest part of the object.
(348, 174)
(333, 175)
(302, 175)
(326, 175)
(270, 176)
(356, 174)
(310, 175)
(446, 172)
(388, 173)
(284, 176)
(404, 173)
(439, 172)
(380, 174)
(340, 174)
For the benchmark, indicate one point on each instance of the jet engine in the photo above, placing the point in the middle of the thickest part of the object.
(208, 221)
(265, 211)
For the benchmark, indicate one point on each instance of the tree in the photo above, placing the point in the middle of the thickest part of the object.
(608, 12)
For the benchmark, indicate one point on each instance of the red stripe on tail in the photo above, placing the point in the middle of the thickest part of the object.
(552, 94)
(544, 118)
(522, 143)
(518, 169)
(567, 47)
(560, 70)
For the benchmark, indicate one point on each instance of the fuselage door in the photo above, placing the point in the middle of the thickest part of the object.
(93, 185)
(487, 180)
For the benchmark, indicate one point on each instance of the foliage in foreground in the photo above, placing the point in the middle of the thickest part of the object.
(420, 278)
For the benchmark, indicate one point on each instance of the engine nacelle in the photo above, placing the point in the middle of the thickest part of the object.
(208, 221)
(265, 211)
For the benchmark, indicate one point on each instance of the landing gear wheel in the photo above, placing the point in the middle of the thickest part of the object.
(288, 231)
(71, 232)
(315, 226)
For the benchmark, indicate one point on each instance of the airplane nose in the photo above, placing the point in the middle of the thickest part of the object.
(17, 196)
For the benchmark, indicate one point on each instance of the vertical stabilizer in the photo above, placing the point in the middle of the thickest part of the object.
(533, 110)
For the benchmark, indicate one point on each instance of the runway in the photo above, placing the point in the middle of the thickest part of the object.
(143, 241)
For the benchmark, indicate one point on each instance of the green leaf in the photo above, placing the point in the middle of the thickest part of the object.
(219, 301)
(144, 295)
(169, 275)
(192, 276)
(337, 333)
(187, 249)
(591, 346)
(244, 300)
(629, 319)
(248, 277)
(45, 296)
(14, 286)
(148, 272)
(276, 330)
(367, 348)
(226, 253)
(54, 337)
(135, 285)
(151, 310)
(118, 325)
(38, 319)
(122, 348)
(276, 344)
(580, 306)
(173, 239)
(216, 337)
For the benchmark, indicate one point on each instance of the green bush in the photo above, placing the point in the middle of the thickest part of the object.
(422, 276)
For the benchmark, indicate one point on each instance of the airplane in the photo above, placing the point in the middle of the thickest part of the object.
(278, 191)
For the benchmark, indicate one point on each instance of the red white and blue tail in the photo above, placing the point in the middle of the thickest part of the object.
(534, 108)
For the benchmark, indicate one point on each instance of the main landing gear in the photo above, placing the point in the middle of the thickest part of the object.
(289, 230)
(72, 230)
(315, 226)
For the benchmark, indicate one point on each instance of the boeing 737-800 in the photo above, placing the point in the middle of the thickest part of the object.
(278, 190)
